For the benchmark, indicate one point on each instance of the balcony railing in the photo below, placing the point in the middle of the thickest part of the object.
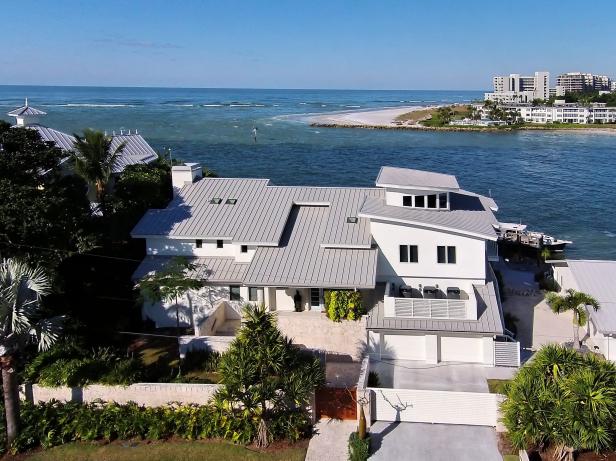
(430, 308)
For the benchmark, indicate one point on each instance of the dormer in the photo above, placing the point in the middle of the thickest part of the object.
(26, 115)
(417, 189)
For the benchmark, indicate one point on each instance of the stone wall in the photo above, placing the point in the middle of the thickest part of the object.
(314, 330)
(148, 394)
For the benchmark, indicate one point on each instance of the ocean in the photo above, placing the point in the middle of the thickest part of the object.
(561, 183)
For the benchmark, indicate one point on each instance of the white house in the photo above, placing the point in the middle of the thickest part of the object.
(136, 149)
(417, 246)
(596, 278)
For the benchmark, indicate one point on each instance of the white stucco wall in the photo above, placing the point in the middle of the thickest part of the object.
(188, 247)
(470, 255)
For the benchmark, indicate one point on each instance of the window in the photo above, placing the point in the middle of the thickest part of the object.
(352, 219)
(216, 201)
(253, 294)
(231, 201)
(446, 255)
(315, 297)
(234, 293)
(244, 248)
(407, 200)
(199, 243)
(419, 201)
(409, 254)
(442, 200)
(431, 201)
(219, 243)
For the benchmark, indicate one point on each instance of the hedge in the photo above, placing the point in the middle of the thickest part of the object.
(359, 450)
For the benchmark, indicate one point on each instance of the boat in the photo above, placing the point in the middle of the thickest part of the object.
(519, 234)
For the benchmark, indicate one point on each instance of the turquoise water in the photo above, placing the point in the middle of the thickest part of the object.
(560, 183)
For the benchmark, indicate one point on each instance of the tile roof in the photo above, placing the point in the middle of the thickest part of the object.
(212, 269)
(406, 177)
(470, 214)
(301, 261)
(598, 279)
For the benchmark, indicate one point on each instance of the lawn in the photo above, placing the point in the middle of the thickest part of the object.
(162, 451)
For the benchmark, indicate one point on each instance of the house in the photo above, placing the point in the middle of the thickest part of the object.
(596, 278)
(417, 246)
(136, 149)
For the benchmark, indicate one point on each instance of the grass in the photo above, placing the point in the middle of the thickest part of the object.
(163, 451)
(511, 457)
(496, 386)
(425, 115)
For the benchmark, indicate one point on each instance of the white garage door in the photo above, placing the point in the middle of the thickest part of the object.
(456, 349)
(406, 347)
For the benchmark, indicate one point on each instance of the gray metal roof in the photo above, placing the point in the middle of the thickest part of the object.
(301, 260)
(212, 269)
(137, 150)
(26, 110)
(409, 178)
(598, 279)
(468, 214)
(489, 321)
(260, 213)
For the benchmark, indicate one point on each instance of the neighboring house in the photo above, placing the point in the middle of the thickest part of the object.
(596, 278)
(136, 150)
(417, 246)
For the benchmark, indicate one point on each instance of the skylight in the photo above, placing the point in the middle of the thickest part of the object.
(216, 201)
(231, 201)
(352, 219)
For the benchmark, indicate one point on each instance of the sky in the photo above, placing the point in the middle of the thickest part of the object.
(355, 44)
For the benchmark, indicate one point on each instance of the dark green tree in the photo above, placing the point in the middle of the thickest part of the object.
(264, 373)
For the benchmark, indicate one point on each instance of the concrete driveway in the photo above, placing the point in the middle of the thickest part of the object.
(433, 442)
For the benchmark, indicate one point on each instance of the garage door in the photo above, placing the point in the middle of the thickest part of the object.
(456, 349)
(406, 347)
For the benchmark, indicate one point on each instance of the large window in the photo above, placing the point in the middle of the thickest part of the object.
(219, 243)
(431, 201)
(446, 254)
(315, 297)
(442, 200)
(419, 201)
(253, 294)
(409, 254)
(244, 249)
(234, 293)
(407, 200)
(199, 243)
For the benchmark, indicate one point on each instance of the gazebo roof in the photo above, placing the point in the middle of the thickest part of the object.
(26, 110)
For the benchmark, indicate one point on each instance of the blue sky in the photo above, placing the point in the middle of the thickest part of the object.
(300, 44)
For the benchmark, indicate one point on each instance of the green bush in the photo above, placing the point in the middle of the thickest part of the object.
(373, 379)
(55, 423)
(344, 305)
(200, 360)
(359, 449)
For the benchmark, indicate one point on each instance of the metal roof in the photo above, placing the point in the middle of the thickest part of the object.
(260, 213)
(409, 178)
(468, 214)
(137, 150)
(301, 260)
(211, 269)
(26, 110)
(598, 279)
(488, 322)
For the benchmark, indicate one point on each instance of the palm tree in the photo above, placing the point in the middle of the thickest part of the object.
(95, 159)
(576, 302)
(21, 290)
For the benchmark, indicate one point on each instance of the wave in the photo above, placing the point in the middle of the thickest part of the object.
(88, 105)
(609, 234)
(212, 105)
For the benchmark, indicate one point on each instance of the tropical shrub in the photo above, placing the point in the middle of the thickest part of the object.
(200, 359)
(55, 423)
(564, 398)
(344, 305)
(265, 377)
(359, 450)
(373, 379)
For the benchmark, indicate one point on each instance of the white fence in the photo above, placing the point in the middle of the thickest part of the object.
(443, 407)
(148, 394)
(506, 354)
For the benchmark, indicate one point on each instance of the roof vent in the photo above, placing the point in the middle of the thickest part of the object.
(231, 201)
(352, 219)
(216, 201)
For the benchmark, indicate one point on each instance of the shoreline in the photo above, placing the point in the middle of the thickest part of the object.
(385, 119)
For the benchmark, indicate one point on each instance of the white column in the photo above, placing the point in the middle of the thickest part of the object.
(433, 346)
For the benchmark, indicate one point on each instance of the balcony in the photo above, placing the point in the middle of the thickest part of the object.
(430, 303)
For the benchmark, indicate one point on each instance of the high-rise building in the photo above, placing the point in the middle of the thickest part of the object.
(520, 88)
(577, 82)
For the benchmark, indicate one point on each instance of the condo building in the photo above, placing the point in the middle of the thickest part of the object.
(577, 82)
(520, 88)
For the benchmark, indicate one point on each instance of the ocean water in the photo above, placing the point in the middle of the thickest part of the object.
(561, 183)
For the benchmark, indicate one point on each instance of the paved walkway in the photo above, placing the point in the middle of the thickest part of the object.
(432, 442)
(331, 440)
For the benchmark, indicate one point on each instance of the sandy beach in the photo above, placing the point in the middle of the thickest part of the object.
(382, 118)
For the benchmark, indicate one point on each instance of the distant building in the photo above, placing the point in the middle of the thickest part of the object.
(577, 82)
(516, 88)
(561, 112)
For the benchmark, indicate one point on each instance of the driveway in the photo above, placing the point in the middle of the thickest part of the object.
(433, 442)
(463, 377)
(330, 440)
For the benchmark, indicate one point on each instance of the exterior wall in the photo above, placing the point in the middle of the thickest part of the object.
(285, 301)
(315, 331)
(406, 347)
(148, 394)
(605, 344)
(461, 349)
(470, 256)
(188, 247)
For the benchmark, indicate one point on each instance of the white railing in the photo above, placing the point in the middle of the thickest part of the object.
(506, 353)
(430, 308)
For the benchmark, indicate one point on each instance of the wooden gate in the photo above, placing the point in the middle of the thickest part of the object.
(336, 403)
